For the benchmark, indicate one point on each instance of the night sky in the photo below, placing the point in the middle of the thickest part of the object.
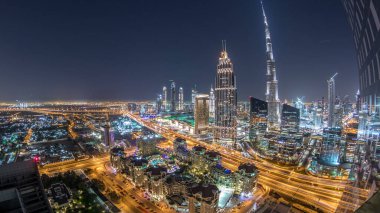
(128, 50)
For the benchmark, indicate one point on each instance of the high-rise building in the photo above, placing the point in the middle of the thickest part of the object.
(21, 188)
(194, 93)
(159, 104)
(107, 134)
(290, 119)
(172, 97)
(258, 117)
(212, 103)
(201, 113)
(364, 18)
(331, 101)
(164, 98)
(180, 99)
(225, 99)
(358, 102)
(272, 83)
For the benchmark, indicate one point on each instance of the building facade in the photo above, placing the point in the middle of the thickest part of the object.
(212, 104)
(180, 99)
(225, 99)
(164, 98)
(172, 97)
(331, 122)
(201, 113)
(272, 83)
(364, 19)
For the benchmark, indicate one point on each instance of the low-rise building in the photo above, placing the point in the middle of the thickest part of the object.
(246, 178)
(60, 195)
(203, 198)
(154, 181)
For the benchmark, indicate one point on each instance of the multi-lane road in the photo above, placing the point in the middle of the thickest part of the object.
(323, 194)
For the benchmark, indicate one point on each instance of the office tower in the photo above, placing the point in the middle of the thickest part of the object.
(107, 133)
(258, 114)
(201, 113)
(225, 99)
(159, 104)
(318, 115)
(212, 103)
(21, 188)
(194, 93)
(331, 101)
(180, 99)
(358, 102)
(172, 97)
(331, 147)
(272, 83)
(164, 98)
(364, 19)
(290, 119)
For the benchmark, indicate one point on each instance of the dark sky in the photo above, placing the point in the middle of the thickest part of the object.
(127, 50)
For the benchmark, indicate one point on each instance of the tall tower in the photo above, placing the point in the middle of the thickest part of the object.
(212, 103)
(172, 97)
(194, 93)
(358, 102)
(165, 98)
(180, 99)
(159, 104)
(225, 99)
(272, 83)
(331, 101)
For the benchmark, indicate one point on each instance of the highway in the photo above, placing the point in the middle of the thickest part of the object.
(324, 194)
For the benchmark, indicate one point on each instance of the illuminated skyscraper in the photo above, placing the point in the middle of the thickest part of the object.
(358, 102)
(180, 99)
(194, 93)
(272, 83)
(225, 99)
(212, 103)
(164, 98)
(159, 104)
(331, 101)
(107, 134)
(172, 97)
(201, 113)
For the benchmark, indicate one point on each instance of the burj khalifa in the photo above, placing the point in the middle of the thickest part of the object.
(272, 83)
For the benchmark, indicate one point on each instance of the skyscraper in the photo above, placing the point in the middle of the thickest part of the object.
(225, 99)
(331, 101)
(194, 93)
(165, 98)
(258, 114)
(272, 83)
(290, 119)
(159, 104)
(364, 19)
(21, 188)
(172, 97)
(212, 103)
(180, 99)
(201, 113)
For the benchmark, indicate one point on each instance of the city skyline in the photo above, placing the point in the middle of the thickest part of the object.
(102, 51)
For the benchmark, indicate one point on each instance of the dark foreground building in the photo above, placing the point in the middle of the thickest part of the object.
(364, 18)
(21, 189)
